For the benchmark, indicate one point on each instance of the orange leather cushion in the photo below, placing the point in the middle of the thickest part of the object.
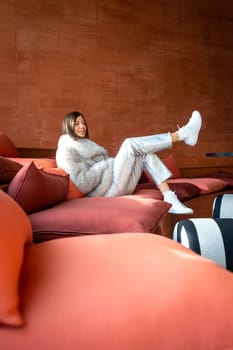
(124, 291)
(74, 192)
(39, 162)
(15, 232)
(35, 189)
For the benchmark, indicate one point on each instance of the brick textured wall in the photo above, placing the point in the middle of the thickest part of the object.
(132, 67)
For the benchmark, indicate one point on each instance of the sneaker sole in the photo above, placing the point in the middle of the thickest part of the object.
(180, 212)
(195, 115)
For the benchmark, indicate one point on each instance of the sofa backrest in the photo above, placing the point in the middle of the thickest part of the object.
(7, 147)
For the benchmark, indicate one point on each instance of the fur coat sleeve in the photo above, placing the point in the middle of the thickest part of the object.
(88, 164)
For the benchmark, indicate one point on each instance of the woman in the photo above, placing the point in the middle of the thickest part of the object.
(96, 174)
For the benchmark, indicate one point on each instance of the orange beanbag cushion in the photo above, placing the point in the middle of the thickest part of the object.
(123, 291)
(15, 232)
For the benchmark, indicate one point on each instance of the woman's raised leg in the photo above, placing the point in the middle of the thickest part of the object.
(137, 153)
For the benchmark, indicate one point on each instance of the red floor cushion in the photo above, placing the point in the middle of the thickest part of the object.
(95, 215)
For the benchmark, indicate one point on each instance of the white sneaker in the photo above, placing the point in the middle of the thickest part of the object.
(189, 132)
(177, 207)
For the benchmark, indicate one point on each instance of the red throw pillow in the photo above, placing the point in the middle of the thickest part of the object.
(15, 232)
(35, 189)
(183, 190)
(227, 177)
(8, 169)
(148, 189)
(204, 184)
(7, 147)
(172, 165)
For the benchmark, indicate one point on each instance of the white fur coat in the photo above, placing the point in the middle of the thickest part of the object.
(88, 164)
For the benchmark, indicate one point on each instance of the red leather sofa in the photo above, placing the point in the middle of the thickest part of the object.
(56, 208)
(125, 290)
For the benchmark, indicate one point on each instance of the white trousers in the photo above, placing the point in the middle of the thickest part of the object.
(135, 155)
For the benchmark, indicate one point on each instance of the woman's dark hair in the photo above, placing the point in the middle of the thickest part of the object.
(68, 124)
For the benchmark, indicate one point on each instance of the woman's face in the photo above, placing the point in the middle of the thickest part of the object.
(80, 128)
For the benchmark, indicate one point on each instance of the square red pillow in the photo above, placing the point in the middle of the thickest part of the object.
(35, 189)
(84, 216)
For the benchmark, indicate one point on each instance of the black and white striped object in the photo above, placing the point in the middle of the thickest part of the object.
(223, 206)
(211, 238)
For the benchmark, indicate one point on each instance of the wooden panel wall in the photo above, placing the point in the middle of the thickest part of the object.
(132, 67)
